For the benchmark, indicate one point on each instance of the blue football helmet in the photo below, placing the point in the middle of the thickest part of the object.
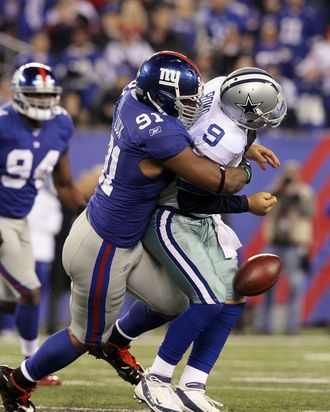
(172, 84)
(35, 91)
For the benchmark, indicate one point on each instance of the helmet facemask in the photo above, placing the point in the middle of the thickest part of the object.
(185, 108)
(37, 108)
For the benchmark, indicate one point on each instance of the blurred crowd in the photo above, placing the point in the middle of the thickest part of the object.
(96, 46)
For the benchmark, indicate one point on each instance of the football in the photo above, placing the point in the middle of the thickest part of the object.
(257, 274)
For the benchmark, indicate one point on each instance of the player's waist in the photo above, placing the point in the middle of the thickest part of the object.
(194, 216)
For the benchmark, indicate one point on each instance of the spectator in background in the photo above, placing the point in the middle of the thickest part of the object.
(269, 50)
(218, 18)
(185, 24)
(288, 230)
(110, 21)
(130, 49)
(319, 59)
(228, 52)
(160, 34)
(65, 16)
(104, 105)
(290, 94)
(299, 23)
(81, 70)
(310, 106)
(30, 16)
(41, 50)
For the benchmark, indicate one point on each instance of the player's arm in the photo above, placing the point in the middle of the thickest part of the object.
(259, 203)
(205, 173)
(67, 191)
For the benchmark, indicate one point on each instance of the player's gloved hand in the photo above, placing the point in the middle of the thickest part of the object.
(246, 165)
(261, 203)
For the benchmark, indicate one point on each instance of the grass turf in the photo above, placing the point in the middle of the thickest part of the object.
(254, 373)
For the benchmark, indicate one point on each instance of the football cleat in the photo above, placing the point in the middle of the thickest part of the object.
(14, 398)
(157, 393)
(121, 360)
(193, 399)
(49, 380)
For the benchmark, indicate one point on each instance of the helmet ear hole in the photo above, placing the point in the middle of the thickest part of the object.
(168, 82)
(35, 91)
(252, 98)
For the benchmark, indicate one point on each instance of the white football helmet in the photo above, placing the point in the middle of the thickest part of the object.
(252, 98)
(35, 91)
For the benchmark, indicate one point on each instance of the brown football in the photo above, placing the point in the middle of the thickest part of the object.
(257, 274)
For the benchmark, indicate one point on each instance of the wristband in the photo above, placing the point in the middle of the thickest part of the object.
(222, 181)
(248, 173)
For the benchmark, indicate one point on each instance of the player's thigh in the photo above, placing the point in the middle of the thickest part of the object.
(17, 265)
(226, 268)
(98, 271)
(180, 244)
(7, 293)
(150, 283)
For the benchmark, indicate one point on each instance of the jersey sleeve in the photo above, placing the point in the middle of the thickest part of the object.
(211, 204)
(167, 140)
(66, 127)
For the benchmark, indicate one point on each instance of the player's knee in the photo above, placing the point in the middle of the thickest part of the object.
(32, 297)
(76, 342)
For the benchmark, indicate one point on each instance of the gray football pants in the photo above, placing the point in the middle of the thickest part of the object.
(101, 273)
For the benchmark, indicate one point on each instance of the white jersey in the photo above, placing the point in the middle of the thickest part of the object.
(220, 139)
(215, 135)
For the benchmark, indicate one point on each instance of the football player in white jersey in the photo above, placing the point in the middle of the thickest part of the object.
(199, 251)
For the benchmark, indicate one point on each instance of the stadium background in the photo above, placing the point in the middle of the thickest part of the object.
(96, 47)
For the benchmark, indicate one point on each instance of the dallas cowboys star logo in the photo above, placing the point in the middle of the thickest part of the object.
(249, 106)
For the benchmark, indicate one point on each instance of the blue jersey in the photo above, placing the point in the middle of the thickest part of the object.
(27, 157)
(124, 199)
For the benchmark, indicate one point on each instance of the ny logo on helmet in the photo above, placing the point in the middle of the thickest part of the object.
(169, 77)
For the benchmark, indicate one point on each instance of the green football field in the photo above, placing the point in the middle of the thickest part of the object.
(254, 373)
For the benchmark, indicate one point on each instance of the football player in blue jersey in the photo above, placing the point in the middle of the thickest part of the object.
(149, 144)
(34, 138)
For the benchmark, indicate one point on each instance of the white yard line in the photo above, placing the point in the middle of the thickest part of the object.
(73, 409)
(273, 389)
(318, 357)
(274, 379)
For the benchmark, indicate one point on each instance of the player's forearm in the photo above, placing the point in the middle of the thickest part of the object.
(206, 174)
(235, 179)
(70, 197)
(211, 204)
